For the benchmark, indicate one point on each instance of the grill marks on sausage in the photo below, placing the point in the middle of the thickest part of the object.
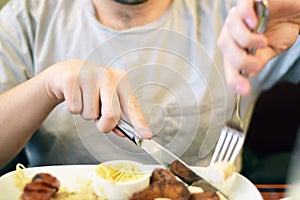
(43, 186)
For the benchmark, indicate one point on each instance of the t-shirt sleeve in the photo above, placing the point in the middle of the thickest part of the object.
(16, 39)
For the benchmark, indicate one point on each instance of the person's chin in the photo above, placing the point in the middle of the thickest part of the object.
(130, 2)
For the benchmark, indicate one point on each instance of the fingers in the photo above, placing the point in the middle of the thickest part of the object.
(117, 97)
(90, 93)
(93, 91)
(235, 54)
(73, 96)
(131, 108)
(248, 15)
(110, 105)
(234, 41)
(235, 80)
(241, 34)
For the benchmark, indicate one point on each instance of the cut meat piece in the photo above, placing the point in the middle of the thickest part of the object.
(42, 187)
(171, 189)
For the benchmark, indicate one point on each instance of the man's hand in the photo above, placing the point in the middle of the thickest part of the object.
(96, 93)
(236, 37)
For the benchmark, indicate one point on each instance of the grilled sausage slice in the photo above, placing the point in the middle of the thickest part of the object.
(42, 187)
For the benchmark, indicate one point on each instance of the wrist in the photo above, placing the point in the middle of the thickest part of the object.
(53, 95)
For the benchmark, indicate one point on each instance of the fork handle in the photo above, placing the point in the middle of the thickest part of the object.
(263, 13)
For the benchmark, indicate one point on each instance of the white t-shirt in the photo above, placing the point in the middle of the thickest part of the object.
(174, 65)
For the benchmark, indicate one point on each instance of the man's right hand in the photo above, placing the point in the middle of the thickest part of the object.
(96, 93)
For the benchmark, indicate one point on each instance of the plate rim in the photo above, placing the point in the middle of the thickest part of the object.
(37, 169)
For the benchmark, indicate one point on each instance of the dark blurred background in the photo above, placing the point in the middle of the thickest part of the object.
(272, 134)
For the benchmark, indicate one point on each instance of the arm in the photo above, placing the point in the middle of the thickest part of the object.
(236, 36)
(88, 90)
(23, 109)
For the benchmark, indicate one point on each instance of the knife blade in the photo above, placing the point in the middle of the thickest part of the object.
(167, 159)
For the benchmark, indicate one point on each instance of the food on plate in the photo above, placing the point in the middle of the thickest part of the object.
(119, 179)
(119, 172)
(161, 175)
(125, 179)
(84, 191)
(43, 186)
(220, 171)
(20, 178)
(165, 185)
(166, 189)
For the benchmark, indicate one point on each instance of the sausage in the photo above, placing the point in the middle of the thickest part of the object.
(43, 186)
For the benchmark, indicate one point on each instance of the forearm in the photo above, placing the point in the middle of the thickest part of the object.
(23, 109)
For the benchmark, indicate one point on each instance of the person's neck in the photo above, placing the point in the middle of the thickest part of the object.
(120, 17)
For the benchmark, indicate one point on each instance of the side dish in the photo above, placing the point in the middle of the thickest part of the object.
(119, 179)
(119, 172)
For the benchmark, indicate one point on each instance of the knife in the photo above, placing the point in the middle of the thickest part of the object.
(167, 159)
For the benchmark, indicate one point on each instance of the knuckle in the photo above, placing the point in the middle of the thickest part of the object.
(115, 75)
(112, 117)
(133, 104)
(89, 115)
(69, 83)
(241, 61)
(245, 39)
(74, 109)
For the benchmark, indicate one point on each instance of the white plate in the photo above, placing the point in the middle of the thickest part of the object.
(241, 188)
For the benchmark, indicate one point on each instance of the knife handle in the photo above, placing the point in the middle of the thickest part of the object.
(128, 130)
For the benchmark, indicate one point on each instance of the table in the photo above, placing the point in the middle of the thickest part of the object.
(272, 191)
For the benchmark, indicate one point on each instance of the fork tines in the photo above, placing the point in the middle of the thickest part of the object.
(228, 146)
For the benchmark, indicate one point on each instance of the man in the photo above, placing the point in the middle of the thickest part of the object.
(76, 57)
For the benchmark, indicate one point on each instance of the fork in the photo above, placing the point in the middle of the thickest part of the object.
(233, 134)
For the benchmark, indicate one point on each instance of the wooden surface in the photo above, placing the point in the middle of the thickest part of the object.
(272, 191)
